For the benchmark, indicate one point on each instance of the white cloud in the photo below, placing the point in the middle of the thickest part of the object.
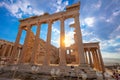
(97, 5)
(116, 13)
(21, 8)
(55, 30)
(89, 21)
(55, 43)
(30, 8)
(110, 55)
(115, 33)
(60, 6)
(86, 33)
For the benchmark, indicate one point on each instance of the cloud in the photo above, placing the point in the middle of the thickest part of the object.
(89, 21)
(116, 13)
(110, 55)
(97, 5)
(60, 6)
(55, 30)
(115, 33)
(21, 8)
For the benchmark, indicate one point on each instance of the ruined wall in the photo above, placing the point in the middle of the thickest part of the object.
(30, 44)
(42, 50)
(39, 58)
(5, 48)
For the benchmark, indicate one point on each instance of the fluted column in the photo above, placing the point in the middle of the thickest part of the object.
(79, 42)
(16, 44)
(90, 58)
(62, 43)
(36, 43)
(101, 60)
(4, 51)
(85, 53)
(69, 51)
(19, 51)
(10, 50)
(48, 43)
(25, 44)
(97, 59)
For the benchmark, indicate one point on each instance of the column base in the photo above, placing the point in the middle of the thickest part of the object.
(83, 65)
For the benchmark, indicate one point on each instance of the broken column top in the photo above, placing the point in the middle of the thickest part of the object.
(74, 6)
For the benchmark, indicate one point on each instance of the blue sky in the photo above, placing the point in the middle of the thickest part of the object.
(99, 21)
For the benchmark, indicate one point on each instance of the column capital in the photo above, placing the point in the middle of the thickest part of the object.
(76, 14)
(20, 28)
(38, 23)
(28, 27)
(88, 48)
(62, 18)
(50, 20)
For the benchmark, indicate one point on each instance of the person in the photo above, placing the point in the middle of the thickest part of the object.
(119, 77)
(116, 75)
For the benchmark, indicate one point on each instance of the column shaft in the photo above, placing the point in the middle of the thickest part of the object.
(48, 43)
(19, 53)
(4, 51)
(25, 44)
(62, 44)
(97, 59)
(79, 42)
(16, 44)
(101, 60)
(85, 53)
(10, 50)
(93, 56)
(36, 43)
(90, 58)
(70, 51)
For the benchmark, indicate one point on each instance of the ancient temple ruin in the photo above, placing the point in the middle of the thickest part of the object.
(43, 55)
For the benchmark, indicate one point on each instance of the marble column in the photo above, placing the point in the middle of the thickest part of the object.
(16, 44)
(69, 51)
(62, 44)
(79, 42)
(25, 44)
(85, 53)
(48, 43)
(19, 51)
(36, 43)
(4, 51)
(95, 59)
(90, 58)
(10, 50)
(93, 56)
(101, 60)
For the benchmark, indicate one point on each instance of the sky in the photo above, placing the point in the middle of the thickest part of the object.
(99, 21)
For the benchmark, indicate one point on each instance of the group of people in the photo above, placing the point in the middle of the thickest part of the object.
(116, 75)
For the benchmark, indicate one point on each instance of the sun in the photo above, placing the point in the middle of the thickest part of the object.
(68, 40)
